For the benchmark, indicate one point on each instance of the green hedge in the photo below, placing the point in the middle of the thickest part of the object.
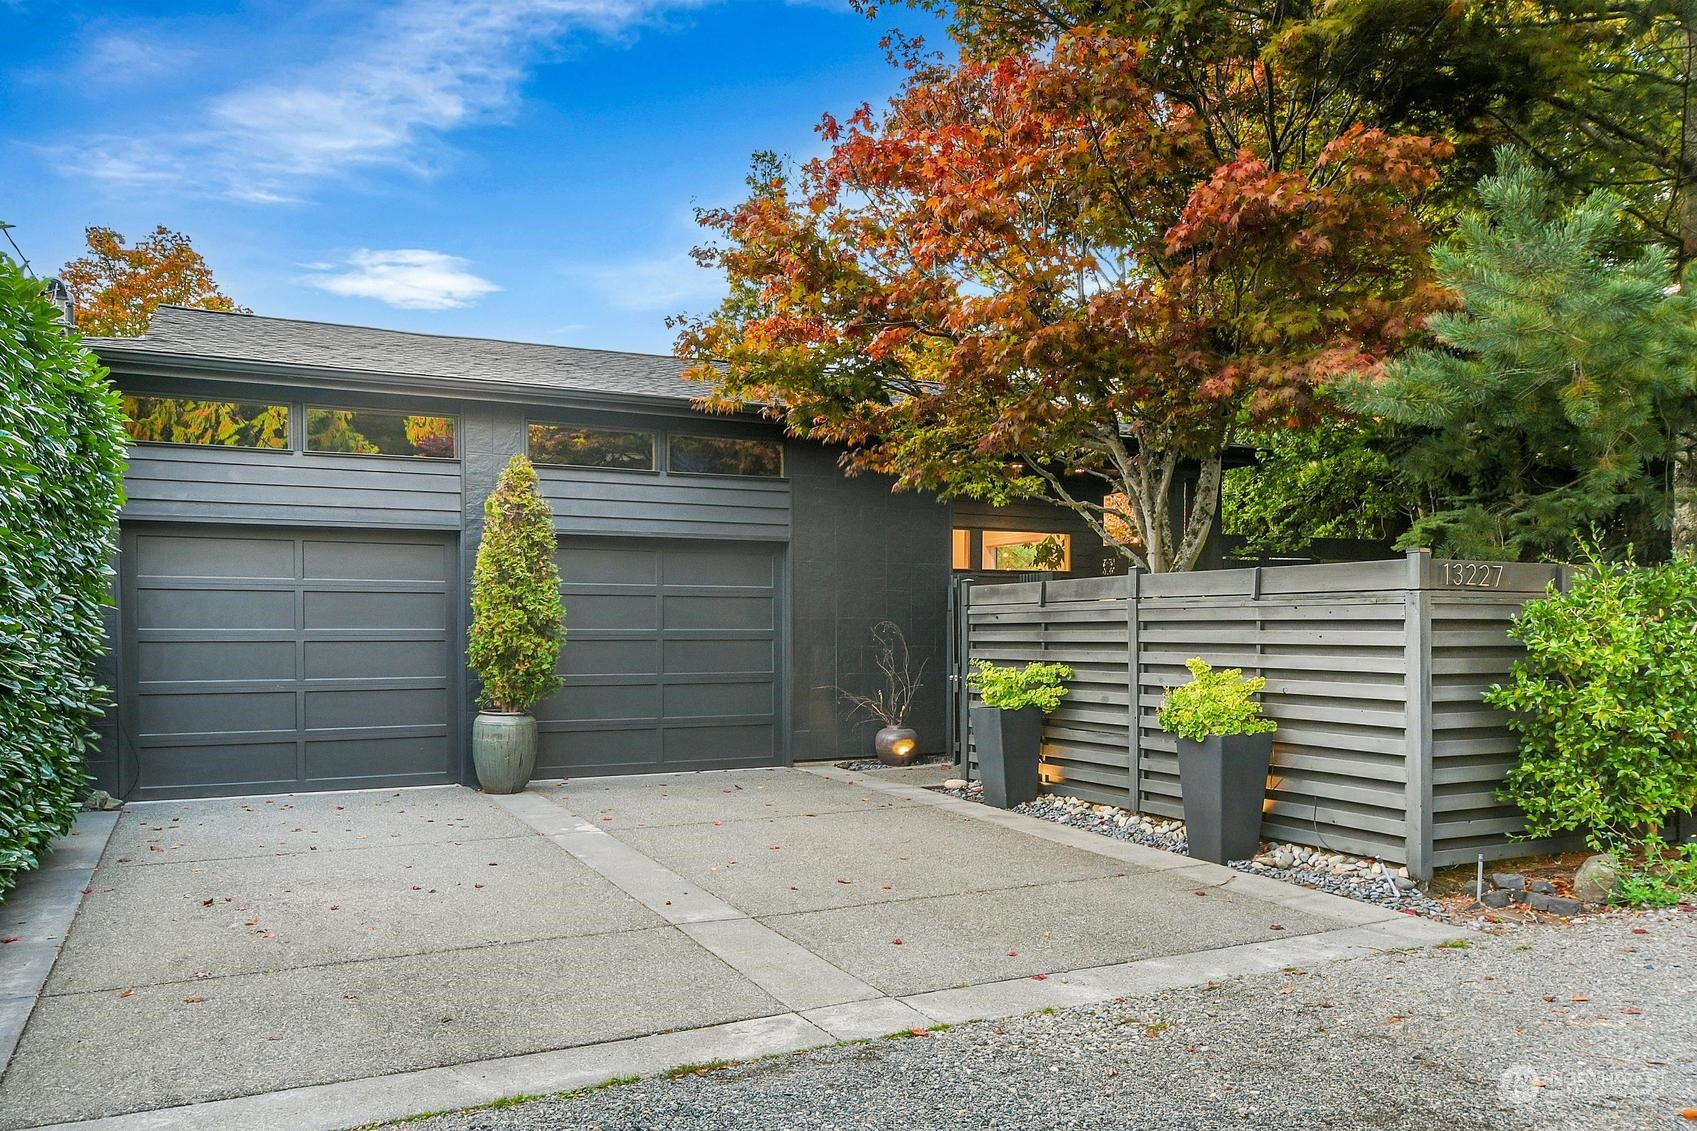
(61, 467)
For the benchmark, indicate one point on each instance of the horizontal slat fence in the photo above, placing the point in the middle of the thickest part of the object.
(1374, 673)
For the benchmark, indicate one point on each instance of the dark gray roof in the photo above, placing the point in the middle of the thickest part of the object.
(180, 332)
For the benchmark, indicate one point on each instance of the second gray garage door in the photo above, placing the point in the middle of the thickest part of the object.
(671, 660)
(262, 661)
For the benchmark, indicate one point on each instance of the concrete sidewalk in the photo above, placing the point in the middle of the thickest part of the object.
(326, 960)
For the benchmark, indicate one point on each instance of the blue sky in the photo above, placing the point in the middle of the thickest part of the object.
(521, 169)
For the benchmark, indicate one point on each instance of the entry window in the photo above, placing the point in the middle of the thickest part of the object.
(1027, 550)
(363, 432)
(722, 455)
(575, 445)
(221, 424)
(963, 549)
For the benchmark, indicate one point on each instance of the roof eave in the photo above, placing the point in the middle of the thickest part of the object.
(164, 363)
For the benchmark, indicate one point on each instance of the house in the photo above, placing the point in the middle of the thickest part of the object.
(304, 506)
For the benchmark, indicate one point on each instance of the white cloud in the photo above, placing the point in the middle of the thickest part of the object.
(378, 97)
(409, 278)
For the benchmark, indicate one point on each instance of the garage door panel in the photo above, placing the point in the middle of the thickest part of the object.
(751, 743)
(375, 659)
(376, 610)
(599, 565)
(609, 657)
(724, 565)
(342, 561)
(338, 673)
(224, 609)
(377, 758)
(175, 661)
(706, 700)
(179, 769)
(721, 612)
(610, 610)
(692, 657)
(604, 701)
(211, 713)
(163, 555)
(328, 710)
(566, 750)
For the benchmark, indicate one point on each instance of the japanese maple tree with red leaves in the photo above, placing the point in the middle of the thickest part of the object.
(1034, 271)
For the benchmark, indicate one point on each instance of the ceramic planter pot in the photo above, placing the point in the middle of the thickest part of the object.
(896, 746)
(1009, 746)
(1224, 782)
(503, 748)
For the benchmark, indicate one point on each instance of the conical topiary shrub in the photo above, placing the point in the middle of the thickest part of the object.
(517, 627)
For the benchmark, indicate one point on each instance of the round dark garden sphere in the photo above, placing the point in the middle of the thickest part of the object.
(896, 746)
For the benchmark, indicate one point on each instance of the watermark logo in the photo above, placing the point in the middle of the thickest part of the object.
(1519, 1084)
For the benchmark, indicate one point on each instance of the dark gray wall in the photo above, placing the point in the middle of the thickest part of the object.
(861, 555)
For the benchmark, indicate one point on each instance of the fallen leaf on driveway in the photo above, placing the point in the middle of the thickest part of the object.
(1639, 931)
(845, 881)
(9, 938)
(1581, 997)
(1275, 926)
(193, 1000)
(920, 1032)
(127, 993)
(895, 942)
(1013, 954)
(1039, 977)
(1288, 990)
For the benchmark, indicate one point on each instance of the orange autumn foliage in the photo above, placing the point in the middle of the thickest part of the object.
(116, 287)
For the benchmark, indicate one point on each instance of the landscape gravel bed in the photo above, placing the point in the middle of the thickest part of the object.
(1593, 1025)
(1354, 877)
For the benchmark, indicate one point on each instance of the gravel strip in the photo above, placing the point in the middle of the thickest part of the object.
(1588, 1026)
(1336, 874)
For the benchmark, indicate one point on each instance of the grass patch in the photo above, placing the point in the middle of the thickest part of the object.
(701, 1069)
(504, 1101)
(1454, 944)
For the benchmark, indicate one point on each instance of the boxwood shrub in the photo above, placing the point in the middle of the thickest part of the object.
(61, 466)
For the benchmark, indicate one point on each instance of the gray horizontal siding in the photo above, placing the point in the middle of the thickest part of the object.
(243, 485)
(1336, 647)
(590, 501)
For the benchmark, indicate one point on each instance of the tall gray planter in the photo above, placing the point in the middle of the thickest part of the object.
(1223, 780)
(1009, 745)
(503, 748)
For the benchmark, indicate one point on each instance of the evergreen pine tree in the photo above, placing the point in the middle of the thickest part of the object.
(1552, 399)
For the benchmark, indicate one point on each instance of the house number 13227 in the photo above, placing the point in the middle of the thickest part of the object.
(1473, 575)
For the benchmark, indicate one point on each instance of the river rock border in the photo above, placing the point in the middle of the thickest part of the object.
(1353, 877)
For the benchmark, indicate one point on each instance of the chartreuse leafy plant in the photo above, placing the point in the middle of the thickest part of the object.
(517, 617)
(1605, 703)
(1214, 702)
(1013, 689)
(61, 468)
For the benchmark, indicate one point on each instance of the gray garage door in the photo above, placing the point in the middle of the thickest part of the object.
(671, 661)
(262, 661)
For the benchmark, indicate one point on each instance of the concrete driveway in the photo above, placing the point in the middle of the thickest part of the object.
(327, 960)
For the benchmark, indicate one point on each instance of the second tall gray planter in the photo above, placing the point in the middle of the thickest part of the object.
(1009, 745)
(1224, 782)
